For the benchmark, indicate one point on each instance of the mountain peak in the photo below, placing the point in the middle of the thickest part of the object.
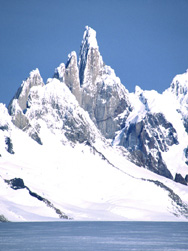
(34, 73)
(89, 38)
(179, 85)
(90, 60)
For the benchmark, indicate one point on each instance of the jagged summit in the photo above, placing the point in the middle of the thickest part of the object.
(59, 72)
(21, 95)
(70, 55)
(179, 85)
(34, 73)
(18, 104)
(89, 38)
(95, 85)
(90, 60)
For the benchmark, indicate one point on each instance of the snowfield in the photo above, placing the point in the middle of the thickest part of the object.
(81, 184)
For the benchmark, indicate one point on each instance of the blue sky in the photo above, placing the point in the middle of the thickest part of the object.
(144, 41)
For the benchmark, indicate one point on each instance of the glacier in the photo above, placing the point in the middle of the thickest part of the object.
(81, 147)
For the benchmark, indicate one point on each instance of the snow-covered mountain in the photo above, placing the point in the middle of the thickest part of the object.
(82, 147)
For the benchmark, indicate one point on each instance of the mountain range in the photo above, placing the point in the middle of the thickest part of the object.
(82, 147)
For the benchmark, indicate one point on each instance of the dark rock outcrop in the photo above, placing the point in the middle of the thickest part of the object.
(9, 144)
(180, 179)
(3, 218)
(180, 207)
(18, 183)
(146, 139)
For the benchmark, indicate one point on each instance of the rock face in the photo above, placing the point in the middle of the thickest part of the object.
(21, 95)
(72, 76)
(146, 139)
(18, 104)
(53, 107)
(69, 74)
(90, 60)
(95, 86)
(180, 179)
(103, 95)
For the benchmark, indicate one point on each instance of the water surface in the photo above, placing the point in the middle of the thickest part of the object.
(94, 236)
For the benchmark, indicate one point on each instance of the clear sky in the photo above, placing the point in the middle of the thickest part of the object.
(144, 41)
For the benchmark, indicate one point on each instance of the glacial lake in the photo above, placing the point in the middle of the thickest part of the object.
(94, 236)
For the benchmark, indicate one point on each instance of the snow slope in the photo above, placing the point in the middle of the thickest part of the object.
(80, 182)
